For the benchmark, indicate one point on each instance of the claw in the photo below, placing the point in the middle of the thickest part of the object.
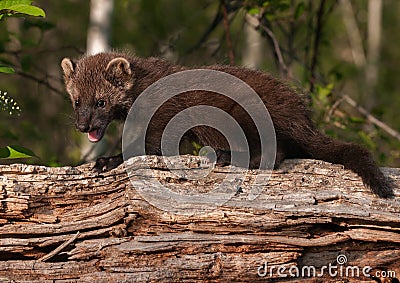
(104, 164)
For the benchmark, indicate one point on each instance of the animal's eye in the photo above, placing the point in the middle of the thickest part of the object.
(77, 102)
(100, 103)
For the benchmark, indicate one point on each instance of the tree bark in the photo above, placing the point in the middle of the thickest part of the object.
(374, 42)
(353, 33)
(253, 51)
(71, 224)
(99, 31)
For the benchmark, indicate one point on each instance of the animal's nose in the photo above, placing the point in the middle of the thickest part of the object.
(83, 120)
(82, 127)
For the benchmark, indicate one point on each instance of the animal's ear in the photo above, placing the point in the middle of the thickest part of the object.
(68, 67)
(118, 70)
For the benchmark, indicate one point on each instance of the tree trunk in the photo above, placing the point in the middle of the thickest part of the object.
(353, 33)
(99, 32)
(70, 224)
(374, 42)
(253, 52)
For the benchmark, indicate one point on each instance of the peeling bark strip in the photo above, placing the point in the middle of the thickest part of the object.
(73, 225)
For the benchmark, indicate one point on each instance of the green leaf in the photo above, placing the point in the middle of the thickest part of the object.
(355, 119)
(197, 147)
(15, 151)
(254, 11)
(28, 10)
(6, 69)
(324, 92)
(6, 4)
(299, 10)
(266, 4)
(367, 140)
(20, 7)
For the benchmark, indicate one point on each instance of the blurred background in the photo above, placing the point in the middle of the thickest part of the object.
(342, 56)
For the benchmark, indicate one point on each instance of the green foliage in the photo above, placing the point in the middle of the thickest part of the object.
(8, 104)
(367, 140)
(15, 152)
(12, 8)
(197, 147)
(19, 7)
(322, 94)
(300, 9)
(15, 8)
(273, 9)
(6, 69)
(314, 43)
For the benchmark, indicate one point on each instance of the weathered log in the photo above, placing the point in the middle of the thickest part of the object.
(71, 224)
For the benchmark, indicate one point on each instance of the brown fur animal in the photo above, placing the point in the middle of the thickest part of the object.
(103, 87)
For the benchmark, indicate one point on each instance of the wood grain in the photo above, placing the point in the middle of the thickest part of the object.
(73, 225)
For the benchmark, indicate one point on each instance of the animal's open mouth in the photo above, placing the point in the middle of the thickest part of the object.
(95, 135)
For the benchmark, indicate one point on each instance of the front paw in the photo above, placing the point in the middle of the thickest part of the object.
(223, 158)
(104, 164)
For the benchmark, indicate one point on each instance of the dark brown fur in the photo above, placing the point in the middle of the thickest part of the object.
(94, 78)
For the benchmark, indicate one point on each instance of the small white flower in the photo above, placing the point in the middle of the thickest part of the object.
(8, 104)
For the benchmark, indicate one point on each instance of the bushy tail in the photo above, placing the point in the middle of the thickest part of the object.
(353, 157)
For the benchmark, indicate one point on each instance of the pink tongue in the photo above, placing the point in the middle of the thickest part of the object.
(94, 136)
